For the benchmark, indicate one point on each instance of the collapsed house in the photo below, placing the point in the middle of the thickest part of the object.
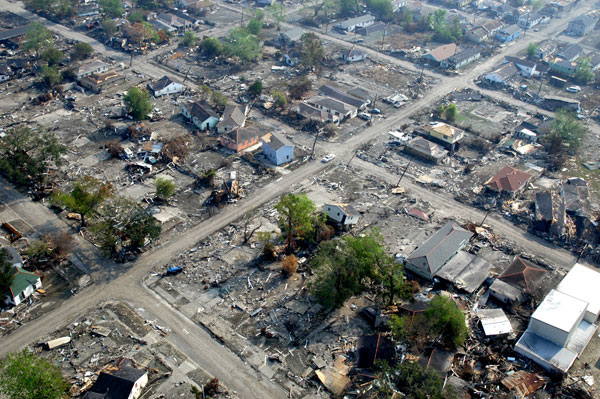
(122, 381)
(519, 279)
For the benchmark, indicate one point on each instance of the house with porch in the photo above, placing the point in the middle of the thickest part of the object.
(200, 114)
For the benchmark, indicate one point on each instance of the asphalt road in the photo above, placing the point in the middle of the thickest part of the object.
(124, 282)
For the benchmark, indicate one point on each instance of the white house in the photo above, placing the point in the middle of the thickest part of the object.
(335, 107)
(557, 332)
(165, 86)
(343, 214)
(200, 114)
(582, 283)
(24, 283)
(358, 22)
(354, 55)
(503, 74)
(89, 68)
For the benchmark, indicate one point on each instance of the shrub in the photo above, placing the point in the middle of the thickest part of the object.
(290, 265)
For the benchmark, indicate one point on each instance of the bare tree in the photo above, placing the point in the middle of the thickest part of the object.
(247, 222)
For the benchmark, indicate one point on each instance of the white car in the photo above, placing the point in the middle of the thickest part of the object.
(328, 158)
(573, 89)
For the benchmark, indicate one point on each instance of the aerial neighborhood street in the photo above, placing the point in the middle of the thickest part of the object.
(299, 199)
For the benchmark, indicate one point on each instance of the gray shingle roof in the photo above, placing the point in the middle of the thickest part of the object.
(15, 32)
(276, 142)
(334, 92)
(441, 246)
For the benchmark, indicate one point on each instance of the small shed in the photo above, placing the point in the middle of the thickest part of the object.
(494, 322)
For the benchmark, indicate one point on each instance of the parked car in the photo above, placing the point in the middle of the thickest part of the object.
(573, 89)
(364, 116)
(376, 111)
(328, 158)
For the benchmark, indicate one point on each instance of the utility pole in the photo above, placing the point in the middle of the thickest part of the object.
(353, 155)
(312, 154)
(242, 17)
(383, 38)
(131, 60)
(488, 212)
(541, 83)
(187, 74)
(403, 172)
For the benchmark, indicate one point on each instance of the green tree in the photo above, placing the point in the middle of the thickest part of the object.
(109, 27)
(139, 227)
(344, 267)
(255, 26)
(298, 88)
(112, 8)
(25, 375)
(583, 72)
(255, 88)
(532, 49)
(392, 281)
(242, 44)
(383, 9)
(218, 99)
(122, 226)
(448, 320)
(211, 47)
(52, 56)
(569, 129)
(38, 37)
(85, 197)
(406, 17)
(438, 19)
(138, 102)
(399, 326)
(450, 112)
(189, 39)
(165, 188)
(147, 4)
(312, 51)
(25, 155)
(414, 381)
(63, 9)
(537, 4)
(135, 16)
(277, 13)
(279, 99)
(81, 51)
(41, 6)
(50, 76)
(6, 272)
(348, 7)
(296, 217)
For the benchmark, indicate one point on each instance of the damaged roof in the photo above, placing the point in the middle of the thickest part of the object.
(233, 115)
(508, 179)
(201, 110)
(524, 383)
(522, 274)
(161, 83)
(276, 142)
(576, 195)
(241, 134)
